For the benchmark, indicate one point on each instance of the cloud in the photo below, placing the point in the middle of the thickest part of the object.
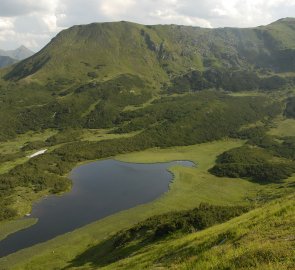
(6, 23)
(11, 8)
(34, 22)
(171, 17)
(116, 7)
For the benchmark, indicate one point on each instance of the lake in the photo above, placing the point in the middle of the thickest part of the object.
(100, 189)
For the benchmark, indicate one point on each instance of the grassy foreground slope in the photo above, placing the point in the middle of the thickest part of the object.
(261, 239)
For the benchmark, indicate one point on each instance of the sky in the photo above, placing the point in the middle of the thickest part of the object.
(33, 23)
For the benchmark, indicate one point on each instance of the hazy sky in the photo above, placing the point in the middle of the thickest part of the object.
(34, 22)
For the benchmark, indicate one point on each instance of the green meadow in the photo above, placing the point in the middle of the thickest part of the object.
(9, 227)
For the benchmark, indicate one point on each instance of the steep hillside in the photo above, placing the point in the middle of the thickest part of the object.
(260, 239)
(123, 47)
(85, 67)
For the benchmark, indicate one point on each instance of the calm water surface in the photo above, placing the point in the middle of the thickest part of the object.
(99, 189)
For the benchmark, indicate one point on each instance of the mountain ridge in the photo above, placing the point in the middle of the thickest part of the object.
(10, 57)
(19, 53)
(169, 49)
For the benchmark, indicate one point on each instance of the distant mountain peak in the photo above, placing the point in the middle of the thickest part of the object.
(23, 47)
(21, 53)
(18, 54)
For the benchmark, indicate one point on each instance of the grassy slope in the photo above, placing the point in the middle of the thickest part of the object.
(190, 187)
(116, 47)
(12, 226)
(284, 127)
(14, 146)
(111, 49)
(261, 239)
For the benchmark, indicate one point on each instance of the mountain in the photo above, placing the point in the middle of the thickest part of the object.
(162, 51)
(10, 57)
(6, 61)
(77, 69)
(20, 53)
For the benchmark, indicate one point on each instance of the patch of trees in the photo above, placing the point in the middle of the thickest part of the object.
(285, 147)
(229, 80)
(290, 108)
(91, 105)
(160, 226)
(63, 136)
(33, 145)
(196, 118)
(115, 96)
(252, 163)
(252, 133)
(11, 156)
(5, 211)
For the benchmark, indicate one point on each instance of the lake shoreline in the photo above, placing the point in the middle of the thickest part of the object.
(151, 189)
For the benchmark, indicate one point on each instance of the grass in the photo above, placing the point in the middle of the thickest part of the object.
(190, 187)
(9, 227)
(91, 108)
(7, 166)
(261, 239)
(197, 180)
(283, 127)
(103, 134)
(247, 94)
(144, 105)
(13, 146)
(22, 199)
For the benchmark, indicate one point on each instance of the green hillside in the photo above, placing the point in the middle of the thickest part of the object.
(84, 68)
(223, 98)
(109, 49)
(260, 239)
